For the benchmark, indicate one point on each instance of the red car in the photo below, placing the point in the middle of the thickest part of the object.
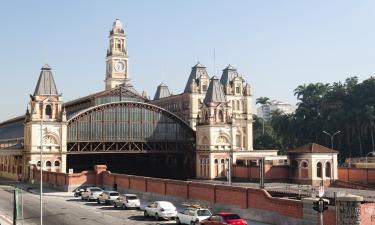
(224, 218)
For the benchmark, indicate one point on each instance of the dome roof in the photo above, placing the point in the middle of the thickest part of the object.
(117, 23)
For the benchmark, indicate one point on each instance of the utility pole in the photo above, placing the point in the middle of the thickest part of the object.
(230, 170)
(41, 172)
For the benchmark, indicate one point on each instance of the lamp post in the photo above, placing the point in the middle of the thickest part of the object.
(332, 136)
(367, 157)
(41, 172)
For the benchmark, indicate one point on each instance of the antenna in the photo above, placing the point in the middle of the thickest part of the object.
(214, 62)
(45, 54)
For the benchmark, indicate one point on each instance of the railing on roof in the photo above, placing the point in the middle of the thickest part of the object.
(5, 143)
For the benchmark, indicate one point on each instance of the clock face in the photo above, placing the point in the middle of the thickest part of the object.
(120, 66)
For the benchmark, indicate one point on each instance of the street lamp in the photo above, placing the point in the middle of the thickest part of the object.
(41, 172)
(332, 136)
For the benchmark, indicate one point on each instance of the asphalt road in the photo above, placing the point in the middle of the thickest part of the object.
(61, 208)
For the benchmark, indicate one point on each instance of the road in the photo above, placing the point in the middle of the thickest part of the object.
(61, 208)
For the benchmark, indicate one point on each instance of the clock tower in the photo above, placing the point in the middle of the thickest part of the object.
(117, 70)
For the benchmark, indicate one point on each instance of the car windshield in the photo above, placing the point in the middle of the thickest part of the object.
(114, 194)
(96, 189)
(203, 212)
(166, 205)
(231, 217)
(132, 197)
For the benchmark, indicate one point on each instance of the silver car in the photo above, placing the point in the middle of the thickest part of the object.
(127, 201)
(91, 193)
(108, 197)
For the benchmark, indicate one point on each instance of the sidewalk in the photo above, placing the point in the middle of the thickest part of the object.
(4, 220)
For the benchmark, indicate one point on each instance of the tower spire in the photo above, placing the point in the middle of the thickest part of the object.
(117, 57)
(46, 84)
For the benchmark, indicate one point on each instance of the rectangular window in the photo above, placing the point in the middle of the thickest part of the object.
(238, 89)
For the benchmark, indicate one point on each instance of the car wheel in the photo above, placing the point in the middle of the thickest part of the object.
(178, 220)
(145, 213)
(115, 205)
(98, 201)
(124, 206)
(156, 217)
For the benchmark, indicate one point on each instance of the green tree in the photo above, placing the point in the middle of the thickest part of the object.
(263, 101)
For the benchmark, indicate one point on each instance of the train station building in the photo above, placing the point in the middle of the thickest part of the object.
(194, 134)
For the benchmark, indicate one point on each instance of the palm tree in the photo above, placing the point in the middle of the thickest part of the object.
(263, 101)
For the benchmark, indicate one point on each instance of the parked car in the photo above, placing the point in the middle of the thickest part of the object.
(127, 201)
(78, 191)
(161, 209)
(107, 197)
(224, 218)
(192, 216)
(91, 193)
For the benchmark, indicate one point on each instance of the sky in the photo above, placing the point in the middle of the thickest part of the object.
(275, 45)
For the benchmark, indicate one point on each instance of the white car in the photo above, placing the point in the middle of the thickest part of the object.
(127, 201)
(161, 209)
(192, 216)
(108, 197)
(91, 193)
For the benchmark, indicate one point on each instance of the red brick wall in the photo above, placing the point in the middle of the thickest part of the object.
(231, 195)
(368, 214)
(260, 199)
(177, 188)
(202, 192)
(156, 186)
(137, 183)
(122, 181)
(239, 196)
(252, 172)
(329, 217)
(357, 175)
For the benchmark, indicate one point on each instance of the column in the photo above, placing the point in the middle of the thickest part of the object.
(349, 210)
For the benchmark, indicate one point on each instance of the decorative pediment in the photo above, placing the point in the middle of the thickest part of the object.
(49, 140)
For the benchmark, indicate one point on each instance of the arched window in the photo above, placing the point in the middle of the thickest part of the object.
(38, 163)
(319, 169)
(57, 163)
(238, 140)
(221, 116)
(294, 164)
(304, 164)
(204, 87)
(48, 111)
(328, 169)
(222, 161)
(216, 161)
(238, 104)
(48, 164)
(238, 89)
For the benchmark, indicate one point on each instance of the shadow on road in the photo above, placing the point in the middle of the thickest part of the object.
(74, 200)
(110, 208)
(140, 218)
(91, 203)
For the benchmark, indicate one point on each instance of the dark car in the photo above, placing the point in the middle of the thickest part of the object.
(78, 191)
(224, 218)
